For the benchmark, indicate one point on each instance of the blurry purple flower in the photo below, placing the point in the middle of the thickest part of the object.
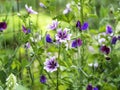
(78, 24)
(95, 88)
(42, 5)
(54, 25)
(48, 38)
(105, 49)
(27, 45)
(109, 29)
(118, 37)
(77, 43)
(51, 64)
(3, 26)
(30, 10)
(25, 30)
(67, 9)
(82, 27)
(114, 40)
(43, 79)
(62, 35)
(89, 87)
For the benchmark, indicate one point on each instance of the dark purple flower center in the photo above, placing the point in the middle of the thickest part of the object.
(89, 87)
(52, 64)
(62, 35)
(105, 49)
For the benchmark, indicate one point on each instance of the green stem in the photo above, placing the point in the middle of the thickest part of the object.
(81, 11)
(58, 70)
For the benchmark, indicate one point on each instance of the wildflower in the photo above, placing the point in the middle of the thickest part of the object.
(62, 35)
(30, 10)
(82, 27)
(89, 87)
(54, 25)
(109, 29)
(77, 43)
(114, 40)
(25, 30)
(67, 9)
(43, 79)
(42, 5)
(51, 64)
(27, 45)
(95, 88)
(105, 49)
(101, 40)
(48, 38)
(3, 26)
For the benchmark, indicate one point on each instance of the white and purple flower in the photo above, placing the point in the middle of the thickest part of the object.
(62, 35)
(51, 64)
(42, 5)
(54, 25)
(67, 9)
(30, 10)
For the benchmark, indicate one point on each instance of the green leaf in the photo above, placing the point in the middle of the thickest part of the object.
(1, 88)
(3, 76)
(20, 87)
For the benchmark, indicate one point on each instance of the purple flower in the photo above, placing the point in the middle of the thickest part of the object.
(105, 49)
(89, 87)
(109, 29)
(51, 64)
(54, 25)
(95, 88)
(30, 10)
(118, 37)
(67, 9)
(48, 38)
(27, 45)
(62, 35)
(78, 24)
(114, 40)
(43, 79)
(25, 30)
(42, 5)
(3, 26)
(82, 27)
(77, 43)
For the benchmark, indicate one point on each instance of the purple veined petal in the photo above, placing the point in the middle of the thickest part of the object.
(77, 43)
(85, 26)
(43, 79)
(3, 26)
(54, 25)
(51, 65)
(109, 29)
(48, 38)
(114, 40)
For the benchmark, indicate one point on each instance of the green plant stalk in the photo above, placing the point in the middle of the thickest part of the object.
(58, 70)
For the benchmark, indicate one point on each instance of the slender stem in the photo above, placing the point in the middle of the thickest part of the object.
(81, 11)
(58, 70)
